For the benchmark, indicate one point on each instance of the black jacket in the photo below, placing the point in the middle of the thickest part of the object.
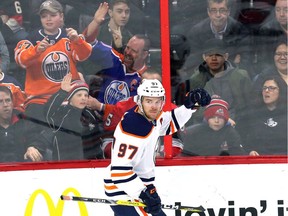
(65, 123)
(12, 140)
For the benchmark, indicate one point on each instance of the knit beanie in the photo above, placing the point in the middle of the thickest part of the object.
(217, 107)
(78, 85)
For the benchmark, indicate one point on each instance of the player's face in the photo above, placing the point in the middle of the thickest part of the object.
(215, 62)
(79, 99)
(218, 13)
(51, 21)
(6, 106)
(281, 12)
(120, 14)
(152, 106)
(280, 58)
(270, 92)
(134, 54)
(216, 123)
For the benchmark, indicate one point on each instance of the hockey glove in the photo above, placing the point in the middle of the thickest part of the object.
(151, 199)
(199, 96)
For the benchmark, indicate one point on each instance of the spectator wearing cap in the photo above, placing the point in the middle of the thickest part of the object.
(219, 77)
(221, 25)
(63, 114)
(214, 136)
(47, 55)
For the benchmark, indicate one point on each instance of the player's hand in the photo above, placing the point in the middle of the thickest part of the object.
(197, 96)
(43, 45)
(72, 34)
(151, 199)
(101, 12)
(66, 82)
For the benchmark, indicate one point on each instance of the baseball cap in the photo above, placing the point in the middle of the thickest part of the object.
(51, 5)
(214, 46)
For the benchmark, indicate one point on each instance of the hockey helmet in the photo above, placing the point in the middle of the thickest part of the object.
(151, 88)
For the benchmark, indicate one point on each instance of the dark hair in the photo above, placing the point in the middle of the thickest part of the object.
(114, 2)
(280, 41)
(282, 100)
(228, 3)
(7, 90)
(147, 42)
(153, 70)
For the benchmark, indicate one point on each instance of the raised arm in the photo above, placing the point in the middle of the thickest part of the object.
(92, 30)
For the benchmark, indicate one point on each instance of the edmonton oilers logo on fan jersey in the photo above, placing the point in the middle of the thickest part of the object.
(55, 66)
(116, 91)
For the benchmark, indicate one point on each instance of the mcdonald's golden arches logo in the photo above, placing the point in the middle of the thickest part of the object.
(54, 210)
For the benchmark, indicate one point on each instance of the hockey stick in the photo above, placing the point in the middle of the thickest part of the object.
(130, 203)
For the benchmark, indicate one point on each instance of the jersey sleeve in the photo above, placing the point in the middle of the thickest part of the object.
(81, 50)
(172, 121)
(25, 53)
(113, 113)
(103, 55)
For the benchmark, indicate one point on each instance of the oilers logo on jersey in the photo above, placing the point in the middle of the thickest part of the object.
(55, 66)
(116, 91)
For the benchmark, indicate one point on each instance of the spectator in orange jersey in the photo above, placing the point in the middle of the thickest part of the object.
(48, 55)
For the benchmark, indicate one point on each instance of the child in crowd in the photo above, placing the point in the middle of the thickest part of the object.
(63, 114)
(48, 55)
(214, 136)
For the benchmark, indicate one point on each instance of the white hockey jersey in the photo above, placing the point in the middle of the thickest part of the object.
(133, 154)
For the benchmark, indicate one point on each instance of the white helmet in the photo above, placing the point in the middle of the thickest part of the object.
(150, 88)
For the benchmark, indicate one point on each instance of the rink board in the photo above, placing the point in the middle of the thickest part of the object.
(242, 189)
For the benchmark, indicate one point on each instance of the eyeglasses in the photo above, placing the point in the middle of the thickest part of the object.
(221, 11)
(280, 54)
(6, 101)
(269, 88)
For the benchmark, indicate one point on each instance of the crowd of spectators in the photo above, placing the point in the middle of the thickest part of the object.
(69, 66)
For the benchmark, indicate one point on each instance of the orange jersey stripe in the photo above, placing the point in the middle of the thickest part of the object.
(122, 174)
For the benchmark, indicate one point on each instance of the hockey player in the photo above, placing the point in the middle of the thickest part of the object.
(47, 55)
(131, 173)
(112, 114)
